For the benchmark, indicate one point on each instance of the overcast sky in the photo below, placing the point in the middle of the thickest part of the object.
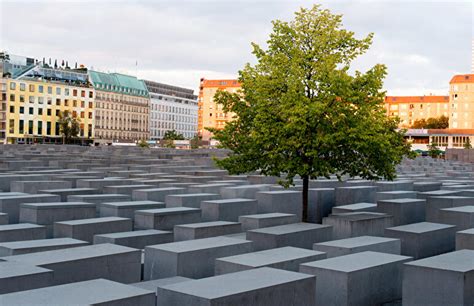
(423, 43)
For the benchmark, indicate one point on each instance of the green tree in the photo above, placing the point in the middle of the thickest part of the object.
(441, 122)
(467, 143)
(195, 142)
(173, 135)
(300, 112)
(433, 150)
(69, 126)
(143, 144)
(419, 124)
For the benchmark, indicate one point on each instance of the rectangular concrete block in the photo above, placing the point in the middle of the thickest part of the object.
(135, 239)
(353, 245)
(11, 204)
(127, 209)
(281, 201)
(21, 232)
(155, 194)
(285, 258)
(320, 203)
(191, 258)
(357, 207)
(99, 198)
(424, 239)
(365, 278)
(92, 292)
(263, 287)
(446, 279)
(35, 186)
(434, 204)
(85, 229)
(397, 194)
(228, 209)
(406, 185)
(192, 200)
(426, 186)
(109, 261)
(250, 222)
(19, 277)
(355, 194)
(3, 218)
(125, 189)
(166, 218)
(462, 217)
(39, 245)
(301, 235)
(243, 191)
(64, 193)
(404, 211)
(465, 239)
(205, 230)
(358, 224)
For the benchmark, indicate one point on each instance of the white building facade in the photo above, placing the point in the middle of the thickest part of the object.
(172, 108)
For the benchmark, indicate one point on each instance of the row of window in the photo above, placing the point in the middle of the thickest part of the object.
(59, 90)
(121, 98)
(115, 135)
(121, 88)
(49, 101)
(172, 109)
(122, 107)
(41, 129)
(173, 125)
(31, 111)
(172, 117)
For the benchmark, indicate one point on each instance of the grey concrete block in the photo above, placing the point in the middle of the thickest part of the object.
(99, 198)
(426, 186)
(357, 207)
(320, 203)
(125, 189)
(365, 278)
(11, 204)
(355, 194)
(3, 218)
(35, 186)
(438, 193)
(21, 231)
(446, 279)
(19, 277)
(205, 230)
(192, 200)
(127, 209)
(263, 287)
(282, 201)
(208, 188)
(462, 217)
(153, 285)
(250, 222)
(64, 193)
(155, 194)
(191, 258)
(465, 239)
(359, 244)
(406, 185)
(228, 209)
(39, 245)
(425, 239)
(285, 258)
(404, 211)
(166, 218)
(301, 235)
(109, 261)
(434, 204)
(92, 292)
(397, 194)
(243, 191)
(135, 239)
(85, 229)
(358, 224)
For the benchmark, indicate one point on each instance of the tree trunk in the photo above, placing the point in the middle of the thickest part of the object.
(305, 198)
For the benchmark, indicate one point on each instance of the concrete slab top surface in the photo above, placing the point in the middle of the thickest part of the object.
(235, 283)
(101, 196)
(356, 261)
(13, 227)
(468, 231)
(143, 186)
(356, 241)
(289, 228)
(397, 192)
(280, 192)
(358, 216)
(167, 211)
(357, 206)
(440, 192)
(155, 283)
(129, 203)
(459, 261)
(12, 269)
(26, 196)
(92, 220)
(134, 233)
(161, 189)
(81, 293)
(268, 216)
(421, 227)
(198, 244)
(208, 224)
(230, 201)
(403, 201)
(68, 189)
(461, 209)
(454, 197)
(192, 195)
(26, 244)
(272, 256)
(70, 254)
(57, 205)
(356, 187)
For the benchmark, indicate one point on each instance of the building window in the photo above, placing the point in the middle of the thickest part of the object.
(11, 126)
(22, 98)
(22, 110)
(40, 88)
(58, 102)
(40, 127)
(21, 127)
(31, 99)
(31, 111)
(48, 128)
(12, 109)
(32, 88)
(40, 111)
(48, 112)
(74, 103)
(91, 94)
(83, 93)
(66, 102)
(57, 112)
(50, 90)
(90, 105)
(58, 90)
(66, 91)
(83, 104)
(22, 86)
(30, 127)
(90, 115)
(12, 85)
(74, 92)
(12, 98)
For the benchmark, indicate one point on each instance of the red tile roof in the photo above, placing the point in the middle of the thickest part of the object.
(416, 99)
(462, 78)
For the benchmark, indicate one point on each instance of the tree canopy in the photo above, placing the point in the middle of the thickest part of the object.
(69, 126)
(301, 113)
(441, 122)
(173, 135)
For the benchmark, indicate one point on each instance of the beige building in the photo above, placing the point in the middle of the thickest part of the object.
(411, 108)
(461, 96)
(211, 114)
(121, 108)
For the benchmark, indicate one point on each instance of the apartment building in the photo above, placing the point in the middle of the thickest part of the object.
(461, 97)
(121, 108)
(210, 114)
(172, 108)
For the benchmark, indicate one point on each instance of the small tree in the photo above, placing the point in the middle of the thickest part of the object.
(173, 135)
(300, 112)
(433, 150)
(69, 126)
(194, 142)
(467, 144)
(143, 144)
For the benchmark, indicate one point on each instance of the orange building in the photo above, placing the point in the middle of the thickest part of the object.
(461, 96)
(211, 114)
(411, 108)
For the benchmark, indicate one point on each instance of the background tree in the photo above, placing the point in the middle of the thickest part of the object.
(441, 122)
(195, 142)
(69, 127)
(173, 135)
(467, 144)
(300, 112)
(143, 144)
(433, 150)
